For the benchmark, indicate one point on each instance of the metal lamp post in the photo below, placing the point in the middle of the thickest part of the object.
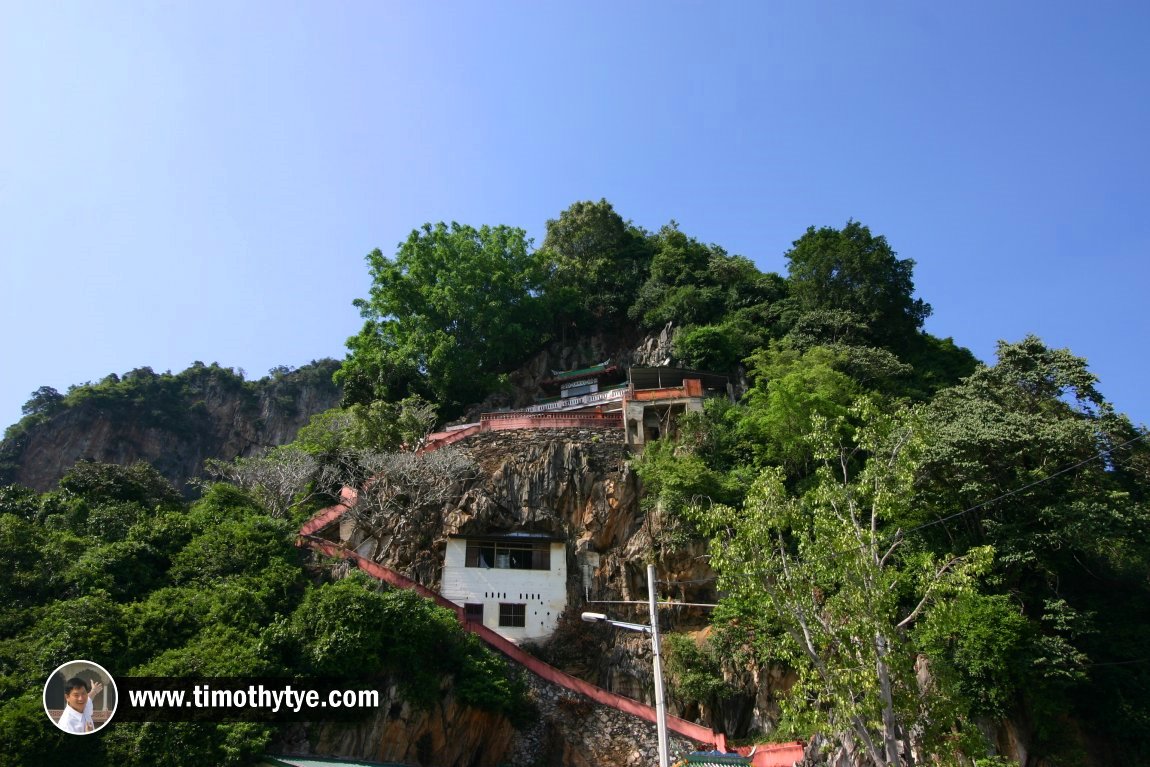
(656, 654)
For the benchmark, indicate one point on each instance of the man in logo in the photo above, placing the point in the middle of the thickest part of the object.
(77, 716)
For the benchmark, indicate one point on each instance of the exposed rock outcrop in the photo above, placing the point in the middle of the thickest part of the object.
(579, 485)
(626, 347)
(574, 732)
(445, 734)
(567, 730)
(175, 423)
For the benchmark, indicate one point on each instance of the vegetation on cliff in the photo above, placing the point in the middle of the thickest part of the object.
(929, 546)
(173, 420)
(116, 565)
(930, 567)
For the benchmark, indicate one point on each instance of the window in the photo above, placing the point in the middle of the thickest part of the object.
(473, 612)
(578, 388)
(480, 554)
(512, 615)
(509, 555)
(587, 387)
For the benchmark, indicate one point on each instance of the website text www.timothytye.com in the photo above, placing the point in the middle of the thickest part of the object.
(245, 699)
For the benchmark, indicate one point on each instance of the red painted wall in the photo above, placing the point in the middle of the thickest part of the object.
(519, 420)
(773, 754)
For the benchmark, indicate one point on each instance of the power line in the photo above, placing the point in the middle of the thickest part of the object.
(941, 520)
(1029, 485)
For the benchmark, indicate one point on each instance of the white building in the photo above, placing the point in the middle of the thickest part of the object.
(513, 583)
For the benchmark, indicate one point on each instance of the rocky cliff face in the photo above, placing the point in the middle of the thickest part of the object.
(567, 730)
(579, 485)
(174, 422)
(445, 734)
(626, 348)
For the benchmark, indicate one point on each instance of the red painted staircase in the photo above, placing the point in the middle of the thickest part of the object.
(774, 755)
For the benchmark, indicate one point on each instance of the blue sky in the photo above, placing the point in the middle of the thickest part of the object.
(201, 181)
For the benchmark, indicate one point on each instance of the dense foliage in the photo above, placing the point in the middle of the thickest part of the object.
(454, 309)
(457, 308)
(116, 567)
(598, 262)
(174, 403)
(1001, 541)
(984, 554)
(927, 546)
(852, 273)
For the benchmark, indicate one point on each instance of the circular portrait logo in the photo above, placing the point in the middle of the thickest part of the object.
(80, 697)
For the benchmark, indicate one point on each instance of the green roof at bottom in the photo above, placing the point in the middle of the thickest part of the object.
(320, 761)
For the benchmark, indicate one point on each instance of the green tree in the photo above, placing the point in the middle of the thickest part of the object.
(755, 302)
(850, 270)
(1058, 484)
(599, 262)
(723, 306)
(123, 569)
(391, 426)
(790, 392)
(454, 309)
(20, 501)
(90, 626)
(107, 482)
(44, 401)
(353, 629)
(935, 364)
(827, 573)
(695, 670)
(680, 287)
(21, 557)
(29, 741)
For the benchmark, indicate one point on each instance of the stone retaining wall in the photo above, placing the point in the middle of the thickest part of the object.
(575, 732)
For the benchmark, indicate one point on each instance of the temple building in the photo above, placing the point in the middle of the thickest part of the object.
(599, 387)
(656, 397)
(645, 401)
(514, 583)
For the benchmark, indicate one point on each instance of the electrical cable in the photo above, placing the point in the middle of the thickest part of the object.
(941, 520)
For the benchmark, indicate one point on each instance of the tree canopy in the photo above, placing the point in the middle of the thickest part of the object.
(458, 307)
(851, 270)
(164, 587)
(997, 547)
(455, 308)
(598, 262)
(825, 574)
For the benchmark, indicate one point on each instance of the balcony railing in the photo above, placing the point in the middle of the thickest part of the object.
(583, 400)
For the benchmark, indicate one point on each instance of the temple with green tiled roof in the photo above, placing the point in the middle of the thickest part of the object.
(572, 383)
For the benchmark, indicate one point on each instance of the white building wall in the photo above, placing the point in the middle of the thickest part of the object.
(544, 592)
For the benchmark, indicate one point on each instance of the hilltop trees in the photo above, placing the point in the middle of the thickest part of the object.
(455, 308)
(850, 272)
(598, 262)
(723, 306)
(43, 401)
(458, 307)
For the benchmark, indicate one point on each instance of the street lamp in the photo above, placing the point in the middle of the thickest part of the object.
(653, 630)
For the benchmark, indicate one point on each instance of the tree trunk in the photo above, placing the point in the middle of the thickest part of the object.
(889, 723)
